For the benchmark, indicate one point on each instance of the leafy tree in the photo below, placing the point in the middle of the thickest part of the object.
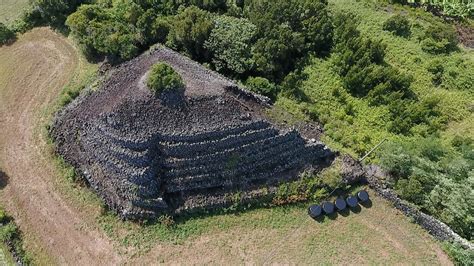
(275, 55)
(286, 32)
(153, 27)
(398, 25)
(100, 31)
(189, 31)
(230, 44)
(5, 34)
(162, 78)
(51, 12)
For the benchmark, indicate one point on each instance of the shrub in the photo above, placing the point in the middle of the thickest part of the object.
(162, 78)
(5, 34)
(398, 25)
(262, 86)
(439, 38)
(3, 216)
(437, 69)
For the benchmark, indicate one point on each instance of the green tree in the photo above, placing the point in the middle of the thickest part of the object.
(163, 77)
(189, 31)
(51, 12)
(287, 31)
(230, 44)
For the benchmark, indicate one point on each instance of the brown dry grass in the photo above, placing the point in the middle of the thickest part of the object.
(11, 9)
(63, 223)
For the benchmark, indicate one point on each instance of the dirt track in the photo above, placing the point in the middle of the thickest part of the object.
(30, 196)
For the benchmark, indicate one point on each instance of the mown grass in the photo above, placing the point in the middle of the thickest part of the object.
(378, 234)
(11, 9)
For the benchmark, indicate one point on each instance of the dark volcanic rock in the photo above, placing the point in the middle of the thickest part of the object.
(146, 155)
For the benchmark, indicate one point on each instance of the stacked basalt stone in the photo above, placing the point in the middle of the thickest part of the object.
(145, 155)
(135, 172)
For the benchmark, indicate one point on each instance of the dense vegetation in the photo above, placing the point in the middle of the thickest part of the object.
(163, 78)
(365, 71)
(457, 8)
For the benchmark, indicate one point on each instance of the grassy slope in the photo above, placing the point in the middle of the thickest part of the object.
(11, 9)
(358, 132)
(5, 256)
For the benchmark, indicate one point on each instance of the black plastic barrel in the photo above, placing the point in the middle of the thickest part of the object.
(363, 196)
(352, 201)
(314, 211)
(340, 204)
(328, 207)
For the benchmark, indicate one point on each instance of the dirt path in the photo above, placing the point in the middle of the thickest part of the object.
(56, 227)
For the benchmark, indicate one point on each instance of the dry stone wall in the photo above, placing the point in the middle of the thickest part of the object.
(436, 228)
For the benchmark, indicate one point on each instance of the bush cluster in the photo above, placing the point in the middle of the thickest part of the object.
(440, 38)
(162, 77)
(5, 34)
(437, 177)
(398, 25)
(240, 39)
(365, 74)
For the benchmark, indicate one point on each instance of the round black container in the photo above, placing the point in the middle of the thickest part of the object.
(328, 207)
(340, 204)
(352, 201)
(363, 196)
(314, 211)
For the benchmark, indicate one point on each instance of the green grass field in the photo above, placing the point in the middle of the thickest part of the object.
(11, 9)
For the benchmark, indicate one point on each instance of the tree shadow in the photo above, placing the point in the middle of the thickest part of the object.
(3, 179)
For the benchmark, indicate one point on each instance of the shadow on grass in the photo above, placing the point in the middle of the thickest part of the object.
(3, 179)
(356, 209)
(346, 212)
(367, 204)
